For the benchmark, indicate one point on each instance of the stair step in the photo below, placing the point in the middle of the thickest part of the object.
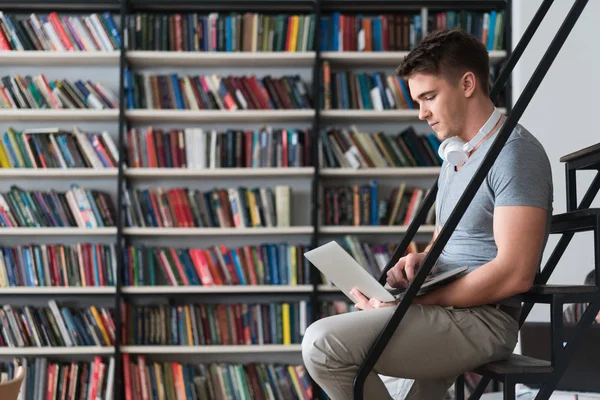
(586, 158)
(517, 364)
(569, 293)
(575, 221)
(562, 289)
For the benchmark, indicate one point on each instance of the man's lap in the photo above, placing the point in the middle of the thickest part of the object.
(430, 342)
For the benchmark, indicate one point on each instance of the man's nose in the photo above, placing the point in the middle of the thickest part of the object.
(423, 113)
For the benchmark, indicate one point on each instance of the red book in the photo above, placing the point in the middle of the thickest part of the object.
(201, 264)
(179, 266)
(217, 276)
(151, 148)
(57, 25)
(127, 376)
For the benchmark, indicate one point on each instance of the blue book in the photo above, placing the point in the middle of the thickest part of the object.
(177, 90)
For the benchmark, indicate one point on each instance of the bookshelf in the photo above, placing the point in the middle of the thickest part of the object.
(307, 227)
(237, 349)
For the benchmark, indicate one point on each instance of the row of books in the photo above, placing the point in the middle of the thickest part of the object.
(144, 379)
(77, 207)
(94, 32)
(242, 31)
(487, 26)
(233, 32)
(349, 90)
(215, 92)
(360, 32)
(265, 264)
(57, 148)
(50, 379)
(351, 148)
(220, 207)
(196, 148)
(37, 92)
(216, 324)
(53, 326)
(58, 265)
(362, 205)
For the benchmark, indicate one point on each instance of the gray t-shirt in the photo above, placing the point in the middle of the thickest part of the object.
(520, 176)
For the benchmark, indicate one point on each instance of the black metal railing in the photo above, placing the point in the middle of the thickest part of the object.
(460, 208)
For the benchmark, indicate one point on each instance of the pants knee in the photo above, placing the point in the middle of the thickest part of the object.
(310, 351)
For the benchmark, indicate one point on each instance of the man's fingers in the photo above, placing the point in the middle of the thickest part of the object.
(396, 278)
(362, 302)
(409, 270)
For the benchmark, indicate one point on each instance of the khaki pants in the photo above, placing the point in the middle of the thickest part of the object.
(432, 345)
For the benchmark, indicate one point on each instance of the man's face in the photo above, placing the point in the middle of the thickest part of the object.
(441, 103)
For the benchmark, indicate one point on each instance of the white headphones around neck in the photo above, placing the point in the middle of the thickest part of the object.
(455, 151)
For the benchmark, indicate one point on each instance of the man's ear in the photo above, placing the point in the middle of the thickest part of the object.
(468, 84)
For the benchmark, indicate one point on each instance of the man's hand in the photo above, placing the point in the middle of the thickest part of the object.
(400, 275)
(363, 303)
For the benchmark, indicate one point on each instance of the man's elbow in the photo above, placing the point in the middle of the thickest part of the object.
(523, 280)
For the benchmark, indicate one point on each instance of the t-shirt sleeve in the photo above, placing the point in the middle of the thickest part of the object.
(522, 176)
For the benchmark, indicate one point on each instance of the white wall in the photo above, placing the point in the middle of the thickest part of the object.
(562, 114)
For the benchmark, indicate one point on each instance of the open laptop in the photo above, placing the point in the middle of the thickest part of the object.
(583, 371)
(346, 273)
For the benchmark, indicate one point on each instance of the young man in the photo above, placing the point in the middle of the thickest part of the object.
(473, 320)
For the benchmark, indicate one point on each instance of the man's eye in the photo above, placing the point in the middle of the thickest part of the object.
(430, 98)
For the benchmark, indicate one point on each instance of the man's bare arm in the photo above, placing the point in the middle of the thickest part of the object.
(435, 235)
(519, 234)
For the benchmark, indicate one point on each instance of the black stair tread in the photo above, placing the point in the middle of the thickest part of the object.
(588, 212)
(518, 364)
(594, 149)
(562, 289)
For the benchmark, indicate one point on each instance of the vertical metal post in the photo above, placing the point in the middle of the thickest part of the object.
(556, 333)
(459, 388)
(509, 388)
(315, 140)
(118, 381)
(571, 180)
(508, 31)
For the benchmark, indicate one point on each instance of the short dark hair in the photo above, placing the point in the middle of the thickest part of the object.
(449, 52)
(590, 279)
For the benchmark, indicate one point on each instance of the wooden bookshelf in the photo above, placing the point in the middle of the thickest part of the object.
(45, 231)
(382, 58)
(258, 63)
(58, 115)
(179, 116)
(61, 173)
(56, 351)
(152, 173)
(380, 172)
(143, 59)
(293, 230)
(373, 115)
(214, 349)
(57, 290)
(371, 230)
(328, 289)
(60, 58)
(217, 289)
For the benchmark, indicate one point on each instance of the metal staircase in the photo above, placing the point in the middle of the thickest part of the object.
(578, 218)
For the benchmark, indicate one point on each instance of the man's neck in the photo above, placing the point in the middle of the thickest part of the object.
(477, 116)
